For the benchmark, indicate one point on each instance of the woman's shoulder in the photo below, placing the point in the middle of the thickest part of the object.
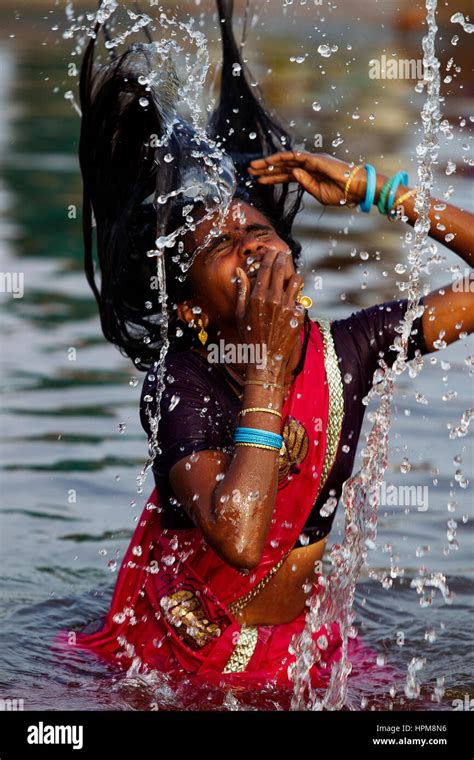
(187, 378)
(191, 415)
(370, 316)
(372, 330)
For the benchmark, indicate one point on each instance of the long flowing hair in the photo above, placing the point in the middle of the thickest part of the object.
(124, 173)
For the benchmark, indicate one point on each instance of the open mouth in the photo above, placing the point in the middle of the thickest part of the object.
(253, 269)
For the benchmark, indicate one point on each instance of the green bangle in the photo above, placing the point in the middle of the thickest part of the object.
(383, 196)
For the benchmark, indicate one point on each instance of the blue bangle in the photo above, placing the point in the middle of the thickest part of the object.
(255, 435)
(366, 204)
(398, 179)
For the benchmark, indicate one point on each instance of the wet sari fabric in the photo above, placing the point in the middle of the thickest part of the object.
(170, 604)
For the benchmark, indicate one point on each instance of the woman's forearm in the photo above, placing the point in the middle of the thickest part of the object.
(451, 226)
(244, 499)
(333, 182)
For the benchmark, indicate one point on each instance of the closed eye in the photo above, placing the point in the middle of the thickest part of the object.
(219, 245)
(260, 229)
(222, 243)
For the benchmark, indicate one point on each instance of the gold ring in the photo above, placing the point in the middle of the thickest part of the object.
(305, 301)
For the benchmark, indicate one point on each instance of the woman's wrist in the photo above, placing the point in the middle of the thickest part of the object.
(358, 187)
(270, 374)
(380, 181)
(271, 395)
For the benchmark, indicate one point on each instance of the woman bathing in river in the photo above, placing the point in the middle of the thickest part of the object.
(252, 460)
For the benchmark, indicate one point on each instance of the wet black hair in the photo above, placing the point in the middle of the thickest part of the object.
(124, 173)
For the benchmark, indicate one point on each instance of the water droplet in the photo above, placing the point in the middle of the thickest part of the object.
(325, 51)
(450, 167)
(405, 466)
(322, 642)
(175, 399)
(328, 507)
(458, 18)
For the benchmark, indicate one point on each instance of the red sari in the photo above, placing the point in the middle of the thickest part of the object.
(170, 603)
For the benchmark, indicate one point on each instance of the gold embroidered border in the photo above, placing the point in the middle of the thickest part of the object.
(244, 650)
(336, 399)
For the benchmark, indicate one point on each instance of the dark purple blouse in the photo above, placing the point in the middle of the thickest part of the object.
(199, 407)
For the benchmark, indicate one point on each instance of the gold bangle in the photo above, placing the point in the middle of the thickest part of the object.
(404, 197)
(258, 445)
(349, 180)
(264, 382)
(259, 409)
(392, 214)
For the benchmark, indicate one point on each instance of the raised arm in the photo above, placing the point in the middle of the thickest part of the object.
(231, 499)
(449, 311)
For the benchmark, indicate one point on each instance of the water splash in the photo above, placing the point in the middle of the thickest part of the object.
(206, 159)
(360, 495)
(458, 18)
(217, 194)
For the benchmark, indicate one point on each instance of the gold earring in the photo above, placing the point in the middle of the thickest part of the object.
(202, 333)
(305, 301)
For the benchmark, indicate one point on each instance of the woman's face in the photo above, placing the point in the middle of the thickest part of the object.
(246, 237)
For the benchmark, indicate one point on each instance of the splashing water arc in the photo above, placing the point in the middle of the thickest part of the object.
(360, 492)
